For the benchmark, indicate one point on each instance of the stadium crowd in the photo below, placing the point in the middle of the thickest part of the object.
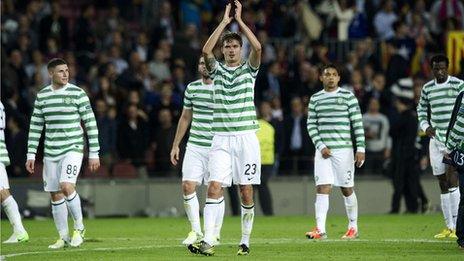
(135, 59)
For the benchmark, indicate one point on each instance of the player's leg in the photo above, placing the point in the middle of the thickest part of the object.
(11, 210)
(324, 179)
(51, 177)
(246, 173)
(69, 171)
(439, 170)
(220, 169)
(193, 170)
(454, 194)
(343, 166)
(460, 219)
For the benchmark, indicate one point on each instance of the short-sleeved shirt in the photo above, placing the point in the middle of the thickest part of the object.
(234, 108)
(199, 98)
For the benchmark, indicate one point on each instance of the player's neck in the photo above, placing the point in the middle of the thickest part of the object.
(330, 89)
(206, 80)
(56, 86)
(233, 64)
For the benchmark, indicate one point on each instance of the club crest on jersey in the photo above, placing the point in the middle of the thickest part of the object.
(67, 100)
(340, 100)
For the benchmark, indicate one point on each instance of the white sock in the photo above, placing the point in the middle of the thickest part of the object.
(219, 218)
(12, 212)
(60, 217)
(454, 204)
(248, 215)
(446, 208)
(192, 209)
(74, 205)
(210, 214)
(322, 206)
(351, 205)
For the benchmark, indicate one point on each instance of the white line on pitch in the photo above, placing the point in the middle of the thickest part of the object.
(274, 241)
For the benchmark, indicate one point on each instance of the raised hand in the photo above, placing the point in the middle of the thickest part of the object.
(238, 10)
(227, 19)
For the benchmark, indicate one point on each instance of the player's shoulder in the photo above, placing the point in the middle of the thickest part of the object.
(44, 91)
(317, 95)
(195, 84)
(455, 80)
(74, 88)
(429, 84)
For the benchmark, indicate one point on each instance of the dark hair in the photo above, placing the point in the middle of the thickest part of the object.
(228, 36)
(327, 66)
(439, 58)
(55, 62)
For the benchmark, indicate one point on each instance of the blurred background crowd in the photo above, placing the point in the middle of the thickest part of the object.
(136, 57)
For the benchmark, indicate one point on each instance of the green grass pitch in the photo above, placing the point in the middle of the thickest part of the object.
(382, 237)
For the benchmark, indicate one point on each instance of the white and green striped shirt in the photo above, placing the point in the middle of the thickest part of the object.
(439, 98)
(199, 98)
(61, 111)
(4, 158)
(234, 108)
(456, 133)
(331, 117)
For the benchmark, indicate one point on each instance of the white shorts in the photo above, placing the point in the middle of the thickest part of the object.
(195, 165)
(437, 151)
(64, 170)
(337, 170)
(235, 159)
(3, 178)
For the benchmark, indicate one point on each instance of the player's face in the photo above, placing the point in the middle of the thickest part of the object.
(231, 50)
(440, 71)
(202, 68)
(330, 78)
(59, 75)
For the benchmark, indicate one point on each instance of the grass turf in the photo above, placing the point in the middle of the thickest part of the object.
(395, 237)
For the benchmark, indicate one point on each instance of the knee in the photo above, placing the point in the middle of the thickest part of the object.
(246, 193)
(324, 189)
(56, 196)
(347, 191)
(188, 187)
(214, 190)
(4, 194)
(67, 188)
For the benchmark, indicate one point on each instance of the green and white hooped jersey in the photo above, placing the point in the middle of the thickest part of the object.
(331, 116)
(234, 108)
(198, 97)
(61, 112)
(4, 158)
(440, 98)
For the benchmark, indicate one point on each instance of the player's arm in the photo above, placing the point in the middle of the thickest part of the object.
(88, 117)
(422, 108)
(313, 131)
(35, 130)
(255, 54)
(208, 48)
(354, 113)
(182, 126)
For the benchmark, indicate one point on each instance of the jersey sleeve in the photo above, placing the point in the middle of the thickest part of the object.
(88, 117)
(422, 108)
(354, 113)
(253, 71)
(35, 130)
(187, 99)
(312, 122)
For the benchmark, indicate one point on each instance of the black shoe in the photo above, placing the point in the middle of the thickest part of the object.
(243, 250)
(194, 248)
(206, 249)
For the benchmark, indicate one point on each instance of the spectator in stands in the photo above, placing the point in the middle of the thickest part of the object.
(16, 138)
(54, 26)
(378, 141)
(133, 139)
(384, 19)
(297, 150)
(107, 129)
(159, 67)
(267, 140)
(404, 169)
(162, 141)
